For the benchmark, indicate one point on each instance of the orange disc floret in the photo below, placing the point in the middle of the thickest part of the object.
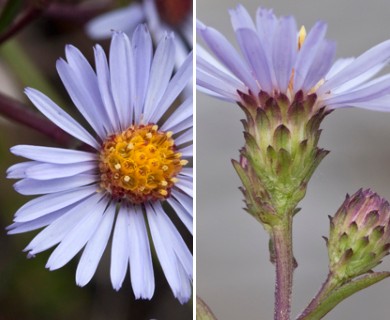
(140, 164)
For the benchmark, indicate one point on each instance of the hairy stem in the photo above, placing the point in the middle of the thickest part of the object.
(332, 293)
(282, 242)
(327, 287)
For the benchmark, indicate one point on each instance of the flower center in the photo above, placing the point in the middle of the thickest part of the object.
(140, 164)
(174, 12)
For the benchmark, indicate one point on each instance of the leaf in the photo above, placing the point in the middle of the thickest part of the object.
(345, 291)
(203, 311)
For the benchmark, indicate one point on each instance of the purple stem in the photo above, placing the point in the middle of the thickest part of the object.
(327, 287)
(80, 13)
(16, 111)
(282, 242)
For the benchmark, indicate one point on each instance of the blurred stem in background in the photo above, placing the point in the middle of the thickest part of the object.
(11, 22)
(79, 13)
(14, 18)
(16, 111)
(29, 75)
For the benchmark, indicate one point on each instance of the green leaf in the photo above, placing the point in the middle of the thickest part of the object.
(345, 291)
(203, 311)
(9, 13)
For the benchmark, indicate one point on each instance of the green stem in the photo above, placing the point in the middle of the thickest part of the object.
(332, 294)
(282, 242)
(328, 286)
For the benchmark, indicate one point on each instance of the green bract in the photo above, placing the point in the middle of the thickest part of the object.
(280, 153)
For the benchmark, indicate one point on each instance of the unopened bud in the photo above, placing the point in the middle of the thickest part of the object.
(359, 235)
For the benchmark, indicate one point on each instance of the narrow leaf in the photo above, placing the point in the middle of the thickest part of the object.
(338, 295)
(203, 311)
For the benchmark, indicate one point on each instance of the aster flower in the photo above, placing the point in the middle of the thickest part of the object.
(160, 15)
(134, 167)
(277, 59)
(286, 83)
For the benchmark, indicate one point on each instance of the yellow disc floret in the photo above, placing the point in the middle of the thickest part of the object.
(301, 40)
(301, 37)
(140, 164)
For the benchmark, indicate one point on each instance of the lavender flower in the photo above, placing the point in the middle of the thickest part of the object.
(135, 167)
(160, 15)
(286, 83)
(277, 59)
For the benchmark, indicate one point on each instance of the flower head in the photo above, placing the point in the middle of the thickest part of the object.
(359, 235)
(286, 83)
(160, 15)
(134, 167)
(279, 59)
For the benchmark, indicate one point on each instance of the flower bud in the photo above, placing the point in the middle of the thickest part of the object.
(359, 235)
